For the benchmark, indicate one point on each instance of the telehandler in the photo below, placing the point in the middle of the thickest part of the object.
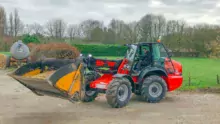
(150, 75)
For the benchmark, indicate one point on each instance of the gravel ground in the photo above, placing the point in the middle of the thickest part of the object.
(20, 106)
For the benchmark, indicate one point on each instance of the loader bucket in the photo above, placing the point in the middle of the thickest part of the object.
(66, 81)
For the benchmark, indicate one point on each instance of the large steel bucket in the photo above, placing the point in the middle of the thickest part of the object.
(63, 82)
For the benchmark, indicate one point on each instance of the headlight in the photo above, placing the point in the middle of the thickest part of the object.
(90, 55)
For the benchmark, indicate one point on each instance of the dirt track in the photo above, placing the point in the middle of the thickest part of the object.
(20, 106)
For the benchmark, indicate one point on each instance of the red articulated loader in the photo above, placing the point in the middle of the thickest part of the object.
(146, 70)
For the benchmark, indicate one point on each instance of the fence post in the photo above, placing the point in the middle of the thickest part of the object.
(189, 79)
(217, 79)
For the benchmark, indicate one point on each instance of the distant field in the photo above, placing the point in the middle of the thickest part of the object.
(6, 53)
(203, 72)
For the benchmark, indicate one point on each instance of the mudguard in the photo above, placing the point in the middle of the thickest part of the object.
(127, 77)
(124, 75)
(149, 70)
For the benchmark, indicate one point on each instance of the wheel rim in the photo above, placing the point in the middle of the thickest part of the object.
(122, 92)
(155, 89)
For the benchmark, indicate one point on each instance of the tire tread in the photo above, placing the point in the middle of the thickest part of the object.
(144, 90)
(111, 93)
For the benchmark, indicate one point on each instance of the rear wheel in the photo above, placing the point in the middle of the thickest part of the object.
(154, 89)
(119, 92)
(90, 94)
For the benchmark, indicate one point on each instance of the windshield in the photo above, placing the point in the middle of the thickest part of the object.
(159, 51)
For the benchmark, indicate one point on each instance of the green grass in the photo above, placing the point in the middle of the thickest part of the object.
(6, 53)
(110, 57)
(203, 72)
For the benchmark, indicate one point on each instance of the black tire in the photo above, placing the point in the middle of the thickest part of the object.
(90, 95)
(113, 90)
(147, 89)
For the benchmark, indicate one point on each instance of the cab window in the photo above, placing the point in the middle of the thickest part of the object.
(143, 48)
(159, 51)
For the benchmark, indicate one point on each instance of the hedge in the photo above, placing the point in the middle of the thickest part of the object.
(101, 49)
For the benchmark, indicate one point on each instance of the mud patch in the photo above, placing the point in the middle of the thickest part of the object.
(42, 118)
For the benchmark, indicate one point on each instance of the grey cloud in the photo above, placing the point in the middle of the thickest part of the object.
(58, 3)
(6, 1)
(192, 3)
(74, 11)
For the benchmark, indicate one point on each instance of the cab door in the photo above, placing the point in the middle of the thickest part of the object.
(161, 58)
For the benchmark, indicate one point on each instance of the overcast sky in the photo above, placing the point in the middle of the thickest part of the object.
(74, 11)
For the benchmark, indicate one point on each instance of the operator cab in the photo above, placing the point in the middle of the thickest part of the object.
(150, 55)
(142, 57)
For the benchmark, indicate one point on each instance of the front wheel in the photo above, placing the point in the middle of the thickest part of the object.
(154, 89)
(90, 94)
(118, 92)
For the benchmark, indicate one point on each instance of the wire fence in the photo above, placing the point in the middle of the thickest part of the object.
(197, 81)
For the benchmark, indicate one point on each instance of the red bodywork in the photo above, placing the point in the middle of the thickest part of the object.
(105, 79)
(174, 79)
(174, 69)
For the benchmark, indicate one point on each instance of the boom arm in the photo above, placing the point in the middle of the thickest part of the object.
(96, 65)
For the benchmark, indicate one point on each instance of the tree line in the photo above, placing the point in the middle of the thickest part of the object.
(178, 35)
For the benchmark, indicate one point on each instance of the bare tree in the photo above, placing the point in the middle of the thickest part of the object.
(11, 25)
(56, 28)
(18, 25)
(146, 24)
(28, 29)
(60, 27)
(131, 32)
(16, 22)
(5, 24)
(89, 25)
(120, 29)
(50, 28)
(2, 21)
(116, 26)
(161, 25)
(73, 31)
(37, 28)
